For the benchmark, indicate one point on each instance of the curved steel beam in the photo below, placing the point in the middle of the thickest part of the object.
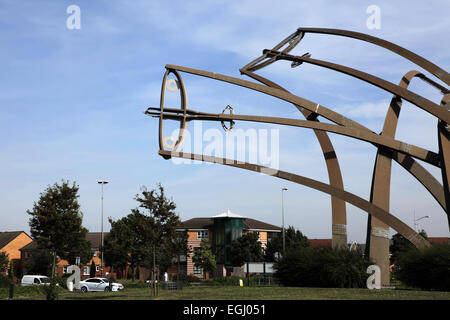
(411, 56)
(444, 153)
(417, 152)
(410, 96)
(359, 202)
(377, 241)
(426, 179)
(338, 210)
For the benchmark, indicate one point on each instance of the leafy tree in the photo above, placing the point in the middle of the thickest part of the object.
(294, 240)
(246, 248)
(92, 269)
(40, 263)
(401, 245)
(426, 268)
(203, 257)
(4, 261)
(115, 252)
(172, 250)
(322, 267)
(56, 222)
(146, 233)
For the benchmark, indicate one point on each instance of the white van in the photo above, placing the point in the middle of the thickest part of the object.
(35, 280)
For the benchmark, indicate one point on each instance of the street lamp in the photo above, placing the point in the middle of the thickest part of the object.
(415, 220)
(102, 182)
(282, 218)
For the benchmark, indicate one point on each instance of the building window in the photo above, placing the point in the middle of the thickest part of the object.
(197, 270)
(86, 270)
(259, 235)
(202, 234)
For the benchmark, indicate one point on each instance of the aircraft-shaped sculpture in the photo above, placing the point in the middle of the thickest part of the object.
(388, 148)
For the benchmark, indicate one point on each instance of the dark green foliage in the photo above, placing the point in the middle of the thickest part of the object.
(56, 222)
(145, 234)
(401, 245)
(204, 258)
(294, 239)
(246, 249)
(51, 290)
(427, 268)
(40, 263)
(322, 267)
(92, 270)
(4, 281)
(4, 261)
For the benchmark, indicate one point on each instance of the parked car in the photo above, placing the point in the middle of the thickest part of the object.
(99, 284)
(35, 280)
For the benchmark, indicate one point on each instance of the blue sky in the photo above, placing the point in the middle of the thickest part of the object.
(71, 104)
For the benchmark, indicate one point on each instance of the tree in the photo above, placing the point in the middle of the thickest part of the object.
(56, 222)
(401, 245)
(92, 269)
(4, 261)
(204, 258)
(294, 240)
(40, 263)
(246, 248)
(146, 233)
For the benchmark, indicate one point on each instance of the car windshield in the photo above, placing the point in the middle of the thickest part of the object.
(45, 280)
(105, 280)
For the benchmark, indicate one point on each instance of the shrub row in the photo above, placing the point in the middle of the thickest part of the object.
(427, 269)
(323, 267)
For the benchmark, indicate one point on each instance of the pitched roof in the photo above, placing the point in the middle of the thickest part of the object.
(228, 214)
(94, 237)
(8, 236)
(439, 239)
(206, 223)
(320, 243)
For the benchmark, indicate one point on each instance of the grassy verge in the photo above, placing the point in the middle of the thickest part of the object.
(139, 291)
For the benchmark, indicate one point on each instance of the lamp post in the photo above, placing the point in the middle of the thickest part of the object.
(282, 218)
(102, 182)
(415, 220)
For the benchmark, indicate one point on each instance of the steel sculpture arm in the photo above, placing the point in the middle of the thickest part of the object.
(359, 202)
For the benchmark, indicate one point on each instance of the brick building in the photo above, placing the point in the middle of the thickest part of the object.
(11, 242)
(220, 231)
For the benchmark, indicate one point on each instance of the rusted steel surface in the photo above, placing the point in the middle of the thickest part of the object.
(353, 199)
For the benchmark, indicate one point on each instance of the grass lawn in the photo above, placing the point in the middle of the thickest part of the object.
(204, 292)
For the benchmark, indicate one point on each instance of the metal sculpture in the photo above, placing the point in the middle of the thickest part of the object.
(388, 149)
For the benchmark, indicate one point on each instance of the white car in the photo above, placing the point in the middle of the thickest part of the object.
(99, 284)
(35, 280)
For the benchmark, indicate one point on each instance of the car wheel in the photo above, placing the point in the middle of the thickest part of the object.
(107, 289)
(84, 289)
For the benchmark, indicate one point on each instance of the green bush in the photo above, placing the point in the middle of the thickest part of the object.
(4, 281)
(51, 290)
(322, 267)
(427, 268)
(186, 278)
